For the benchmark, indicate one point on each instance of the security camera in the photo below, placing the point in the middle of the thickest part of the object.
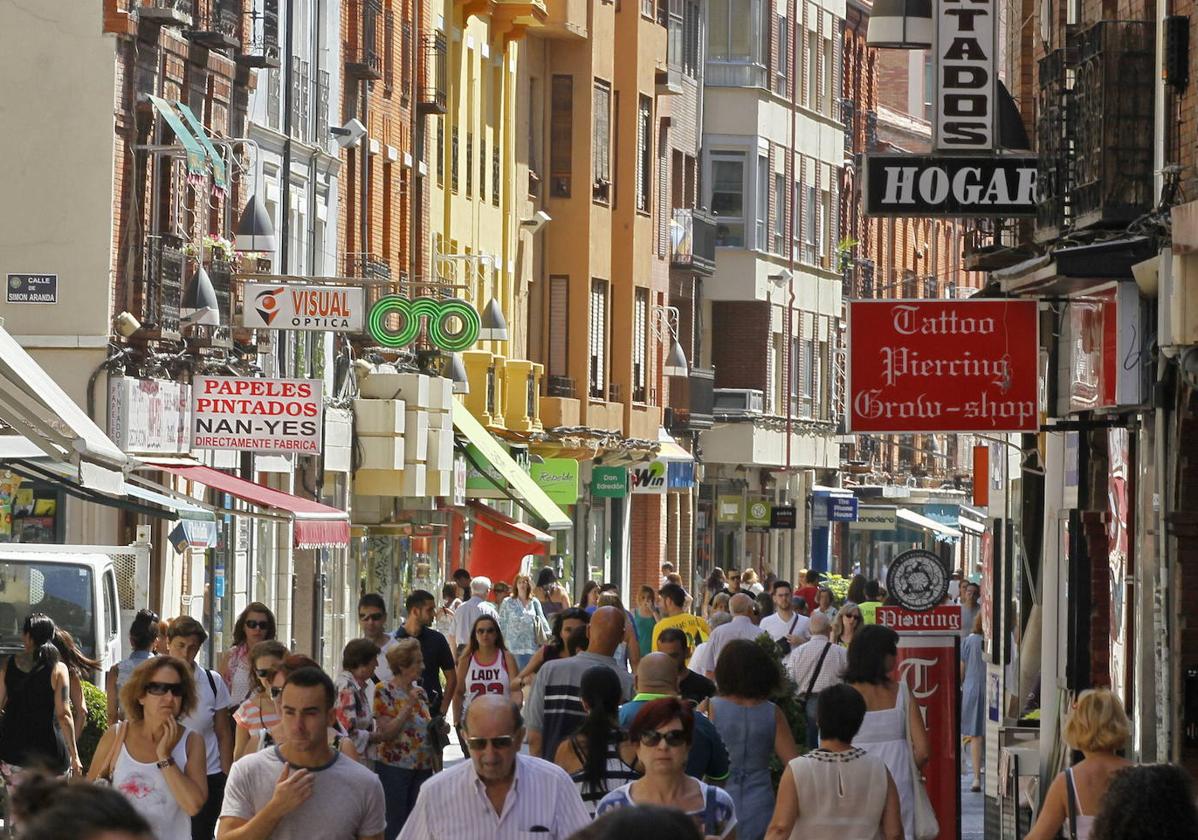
(539, 220)
(349, 134)
(126, 324)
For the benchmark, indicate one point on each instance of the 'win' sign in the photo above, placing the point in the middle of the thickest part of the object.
(648, 478)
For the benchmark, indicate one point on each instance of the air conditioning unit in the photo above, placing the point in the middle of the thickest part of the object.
(737, 402)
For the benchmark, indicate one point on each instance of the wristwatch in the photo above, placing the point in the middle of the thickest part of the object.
(169, 761)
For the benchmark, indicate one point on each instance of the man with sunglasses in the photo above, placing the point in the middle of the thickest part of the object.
(499, 794)
(372, 618)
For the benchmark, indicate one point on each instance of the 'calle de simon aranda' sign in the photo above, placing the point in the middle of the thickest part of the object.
(328, 308)
(452, 324)
(956, 186)
(920, 366)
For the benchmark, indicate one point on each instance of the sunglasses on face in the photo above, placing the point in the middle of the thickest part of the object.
(276, 691)
(502, 742)
(673, 738)
(853, 616)
(265, 673)
(254, 624)
(159, 689)
(372, 617)
(486, 631)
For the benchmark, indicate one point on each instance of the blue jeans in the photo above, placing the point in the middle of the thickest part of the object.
(522, 660)
(813, 721)
(400, 789)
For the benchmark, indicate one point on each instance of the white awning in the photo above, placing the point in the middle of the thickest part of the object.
(668, 448)
(971, 526)
(941, 532)
(34, 406)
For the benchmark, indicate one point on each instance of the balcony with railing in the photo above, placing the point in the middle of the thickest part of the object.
(1054, 146)
(990, 244)
(363, 48)
(260, 38)
(566, 19)
(513, 18)
(165, 12)
(433, 94)
(373, 268)
(691, 400)
(693, 240)
(217, 24)
(161, 292)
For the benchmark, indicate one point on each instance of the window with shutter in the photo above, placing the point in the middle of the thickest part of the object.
(598, 339)
(782, 65)
(640, 328)
(837, 69)
(601, 143)
(559, 326)
(561, 129)
(644, 151)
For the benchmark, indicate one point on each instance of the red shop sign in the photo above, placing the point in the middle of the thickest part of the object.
(930, 668)
(943, 366)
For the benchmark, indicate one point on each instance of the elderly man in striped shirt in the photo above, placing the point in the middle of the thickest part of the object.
(498, 794)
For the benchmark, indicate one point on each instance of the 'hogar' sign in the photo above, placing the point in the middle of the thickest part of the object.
(966, 187)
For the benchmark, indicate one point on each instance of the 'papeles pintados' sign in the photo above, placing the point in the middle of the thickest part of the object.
(943, 366)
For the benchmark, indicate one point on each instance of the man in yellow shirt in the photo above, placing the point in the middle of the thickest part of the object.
(873, 600)
(673, 600)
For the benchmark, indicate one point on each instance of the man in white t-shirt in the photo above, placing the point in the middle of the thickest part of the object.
(304, 788)
(785, 622)
(466, 614)
(212, 718)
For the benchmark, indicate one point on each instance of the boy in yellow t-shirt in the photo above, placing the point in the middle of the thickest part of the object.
(673, 599)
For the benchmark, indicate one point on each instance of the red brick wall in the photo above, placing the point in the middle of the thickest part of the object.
(648, 540)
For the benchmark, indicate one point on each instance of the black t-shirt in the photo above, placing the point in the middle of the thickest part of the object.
(437, 658)
(695, 687)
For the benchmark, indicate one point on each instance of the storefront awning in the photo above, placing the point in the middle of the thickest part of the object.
(33, 405)
(500, 544)
(315, 525)
(526, 492)
(939, 532)
(668, 448)
(195, 152)
(214, 159)
(970, 525)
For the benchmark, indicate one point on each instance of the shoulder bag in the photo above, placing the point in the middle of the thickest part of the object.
(1070, 804)
(927, 827)
(784, 643)
(105, 777)
(541, 631)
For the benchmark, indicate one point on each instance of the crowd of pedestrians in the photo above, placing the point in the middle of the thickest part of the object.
(588, 721)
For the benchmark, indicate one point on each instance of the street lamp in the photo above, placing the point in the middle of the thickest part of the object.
(200, 304)
(254, 230)
(494, 325)
(900, 24)
(665, 324)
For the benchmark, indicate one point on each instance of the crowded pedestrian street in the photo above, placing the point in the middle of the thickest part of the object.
(822, 472)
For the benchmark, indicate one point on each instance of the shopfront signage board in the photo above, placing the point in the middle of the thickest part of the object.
(558, 477)
(875, 518)
(930, 366)
(609, 482)
(758, 514)
(966, 97)
(783, 517)
(257, 415)
(731, 510)
(294, 307)
(956, 186)
(451, 324)
(648, 478)
(149, 416)
(842, 508)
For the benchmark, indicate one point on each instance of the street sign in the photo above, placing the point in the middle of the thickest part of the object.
(921, 366)
(949, 186)
(32, 288)
(257, 415)
(783, 517)
(842, 508)
(283, 307)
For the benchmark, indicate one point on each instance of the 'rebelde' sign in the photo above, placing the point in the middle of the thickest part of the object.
(932, 185)
(257, 415)
(918, 366)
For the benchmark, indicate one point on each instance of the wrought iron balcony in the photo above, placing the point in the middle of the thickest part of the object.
(363, 47)
(693, 240)
(433, 96)
(166, 12)
(560, 386)
(691, 400)
(991, 244)
(260, 40)
(161, 290)
(217, 24)
(1054, 146)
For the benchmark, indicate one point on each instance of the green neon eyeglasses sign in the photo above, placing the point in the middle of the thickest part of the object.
(438, 315)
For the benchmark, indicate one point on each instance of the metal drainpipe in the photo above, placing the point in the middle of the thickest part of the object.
(791, 36)
(364, 191)
(285, 186)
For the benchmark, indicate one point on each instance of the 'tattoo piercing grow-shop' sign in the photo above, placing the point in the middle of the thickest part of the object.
(452, 324)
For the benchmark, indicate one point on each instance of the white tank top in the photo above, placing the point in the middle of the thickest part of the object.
(487, 679)
(146, 788)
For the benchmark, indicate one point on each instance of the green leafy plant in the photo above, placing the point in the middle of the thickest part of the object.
(839, 586)
(96, 702)
(786, 698)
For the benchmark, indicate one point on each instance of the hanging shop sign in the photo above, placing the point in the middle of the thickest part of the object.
(451, 324)
(930, 666)
(459, 480)
(731, 510)
(783, 517)
(954, 187)
(921, 366)
(282, 307)
(842, 508)
(648, 478)
(966, 50)
(875, 518)
(32, 288)
(558, 477)
(609, 483)
(917, 579)
(680, 475)
(149, 416)
(943, 618)
(1103, 341)
(257, 415)
(758, 514)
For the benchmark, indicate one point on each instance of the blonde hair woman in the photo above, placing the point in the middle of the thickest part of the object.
(1097, 725)
(846, 624)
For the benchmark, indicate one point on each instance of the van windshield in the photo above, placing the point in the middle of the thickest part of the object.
(60, 590)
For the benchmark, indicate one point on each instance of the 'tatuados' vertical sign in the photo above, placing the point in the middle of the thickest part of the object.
(966, 46)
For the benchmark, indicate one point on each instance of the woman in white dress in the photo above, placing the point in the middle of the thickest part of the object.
(890, 715)
(156, 762)
(833, 791)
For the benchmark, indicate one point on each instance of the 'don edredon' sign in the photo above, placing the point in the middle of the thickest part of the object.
(257, 415)
(943, 366)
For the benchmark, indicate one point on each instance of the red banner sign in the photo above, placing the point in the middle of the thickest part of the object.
(929, 666)
(943, 366)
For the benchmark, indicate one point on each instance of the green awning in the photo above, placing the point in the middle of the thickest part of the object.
(214, 158)
(195, 152)
(519, 482)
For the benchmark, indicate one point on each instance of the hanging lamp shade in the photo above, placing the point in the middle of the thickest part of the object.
(254, 230)
(901, 24)
(200, 304)
(675, 364)
(457, 372)
(494, 325)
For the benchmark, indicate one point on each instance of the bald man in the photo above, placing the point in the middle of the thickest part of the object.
(740, 627)
(471, 799)
(555, 708)
(657, 677)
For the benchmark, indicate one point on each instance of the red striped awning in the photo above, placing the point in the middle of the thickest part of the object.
(316, 525)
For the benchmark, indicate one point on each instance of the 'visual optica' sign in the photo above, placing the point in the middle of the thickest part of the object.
(919, 366)
(283, 307)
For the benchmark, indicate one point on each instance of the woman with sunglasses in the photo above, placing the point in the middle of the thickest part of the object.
(663, 730)
(154, 760)
(143, 633)
(258, 713)
(485, 667)
(255, 624)
(846, 624)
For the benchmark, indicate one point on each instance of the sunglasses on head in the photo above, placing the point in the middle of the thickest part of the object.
(372, 617)
(158, 689)
(501, 742)
(255, 624)
(673, 738)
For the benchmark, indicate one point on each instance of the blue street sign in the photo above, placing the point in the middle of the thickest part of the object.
(842, 508)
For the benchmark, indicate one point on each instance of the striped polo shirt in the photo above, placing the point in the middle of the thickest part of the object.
(555, 707)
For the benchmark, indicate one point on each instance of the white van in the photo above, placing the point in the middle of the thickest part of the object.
(79, 587)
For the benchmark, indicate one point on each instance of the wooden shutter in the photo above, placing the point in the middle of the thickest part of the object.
(561, 130)
(559, 326)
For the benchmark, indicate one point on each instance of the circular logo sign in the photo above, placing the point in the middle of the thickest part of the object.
(759, 510)
(917, 579)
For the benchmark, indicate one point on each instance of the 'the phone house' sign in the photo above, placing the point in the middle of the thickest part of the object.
(956, 186)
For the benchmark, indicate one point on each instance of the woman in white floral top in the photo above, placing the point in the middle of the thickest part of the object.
(443, 618)
(405, 760)
(518, 619)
